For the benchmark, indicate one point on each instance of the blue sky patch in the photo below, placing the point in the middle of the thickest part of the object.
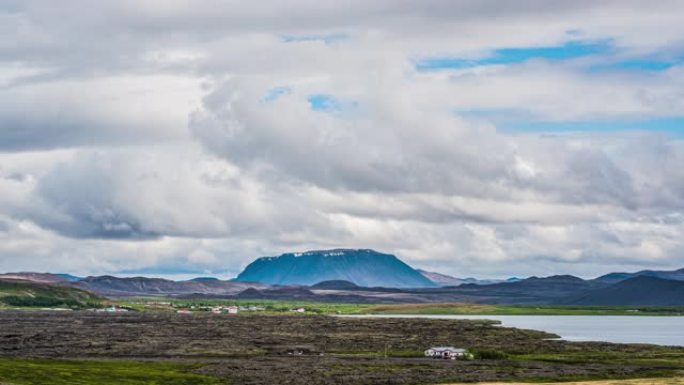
(325, 102)
(638, 64)
(569, 50)
(507, 119)
(275, 93)
(671, 125)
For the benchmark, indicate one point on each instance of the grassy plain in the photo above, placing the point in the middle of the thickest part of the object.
(277, 306)
(21, 371)
(480, 309)
(269, 306)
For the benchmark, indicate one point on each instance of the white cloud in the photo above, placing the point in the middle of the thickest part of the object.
(136, 136)
(101, 111)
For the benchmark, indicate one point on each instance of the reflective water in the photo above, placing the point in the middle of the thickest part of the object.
(622, 329)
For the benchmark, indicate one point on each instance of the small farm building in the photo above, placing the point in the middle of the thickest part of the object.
(445, 352)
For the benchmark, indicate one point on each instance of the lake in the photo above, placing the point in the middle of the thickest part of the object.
(660, 330)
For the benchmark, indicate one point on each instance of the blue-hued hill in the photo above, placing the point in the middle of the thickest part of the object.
(674, 275)
(640, 290)
(363, 267)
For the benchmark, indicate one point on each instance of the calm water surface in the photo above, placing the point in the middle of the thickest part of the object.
(621, 329)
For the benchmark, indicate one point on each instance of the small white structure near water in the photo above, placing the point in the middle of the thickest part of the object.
(112, 309)
(445, 352)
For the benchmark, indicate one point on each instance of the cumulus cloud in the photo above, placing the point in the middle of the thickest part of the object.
(173, 137)
(106, 111)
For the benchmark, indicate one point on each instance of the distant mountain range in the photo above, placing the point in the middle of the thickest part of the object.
(107, 285)
(640, 289)
(533, 290)
(362, 267)
(35, 277)
(676, 275)
(447, 280)
(114, 286)
(367, 276)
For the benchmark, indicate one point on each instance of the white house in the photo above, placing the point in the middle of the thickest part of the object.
(232, 309)
(445, 352)
(114, 309)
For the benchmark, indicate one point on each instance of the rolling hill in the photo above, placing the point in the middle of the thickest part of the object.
(23, 293)
(533, 290)
(335, 285)
(446, 280)
(115, 286)
(676, 275)
(38, 277)
(638, 291)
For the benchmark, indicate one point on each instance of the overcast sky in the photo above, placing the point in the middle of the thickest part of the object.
(475, 138)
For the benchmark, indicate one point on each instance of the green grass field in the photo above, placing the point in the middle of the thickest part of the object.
(17, 371)
(663, 358)
(476, 309)
(273, 306)
(270, 306)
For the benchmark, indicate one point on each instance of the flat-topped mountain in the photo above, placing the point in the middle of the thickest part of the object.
(362, 267)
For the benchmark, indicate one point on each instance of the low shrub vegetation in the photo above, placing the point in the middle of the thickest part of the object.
(489, 354)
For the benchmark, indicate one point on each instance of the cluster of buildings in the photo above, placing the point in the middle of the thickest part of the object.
(226, 309)
(221, 309)
(189, 308)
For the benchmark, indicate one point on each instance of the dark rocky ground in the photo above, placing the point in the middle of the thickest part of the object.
(254, 349)
(345, 370)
